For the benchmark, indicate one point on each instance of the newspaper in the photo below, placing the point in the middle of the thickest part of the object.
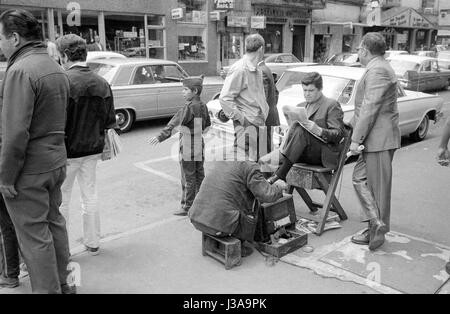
(298, 115)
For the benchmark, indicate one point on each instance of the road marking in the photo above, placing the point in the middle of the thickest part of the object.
(161, 174)
(76, 251)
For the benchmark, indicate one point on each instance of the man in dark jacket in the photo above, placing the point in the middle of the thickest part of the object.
(33, 98)
(224, 204)
(318, 140)
(90, 113)
(271, 92)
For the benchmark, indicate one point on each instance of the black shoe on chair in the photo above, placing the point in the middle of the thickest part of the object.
(274, 178)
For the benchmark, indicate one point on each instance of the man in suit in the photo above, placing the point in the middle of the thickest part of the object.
(317, 141)
(375, 125)
(271, 93)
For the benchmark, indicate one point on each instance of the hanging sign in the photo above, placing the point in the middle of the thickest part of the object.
(177, 14)
(258, 22)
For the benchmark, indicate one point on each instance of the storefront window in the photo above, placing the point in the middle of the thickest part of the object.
(125, 34)
(87, 29)
(156, 36)
(191, 43)
(233, 47)
(195, 11)
(421, 40)
(273, 37)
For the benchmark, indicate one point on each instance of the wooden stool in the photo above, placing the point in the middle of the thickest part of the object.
(226, 250)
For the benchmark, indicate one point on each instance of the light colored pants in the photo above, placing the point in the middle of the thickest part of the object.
(83, 169)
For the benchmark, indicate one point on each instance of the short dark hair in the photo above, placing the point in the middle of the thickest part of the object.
(198, 90)
(313, 78)
(253, 42)
(375, 43)
(73, 46)
(21, 22)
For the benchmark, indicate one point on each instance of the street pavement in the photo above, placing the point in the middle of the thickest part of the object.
(145, 249)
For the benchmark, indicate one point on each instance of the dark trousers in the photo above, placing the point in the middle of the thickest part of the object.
(372, 181)
(192, 175)
(41, 229)
(299, 146)
(9, 246)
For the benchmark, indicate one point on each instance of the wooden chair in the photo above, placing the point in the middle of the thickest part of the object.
(304, 177)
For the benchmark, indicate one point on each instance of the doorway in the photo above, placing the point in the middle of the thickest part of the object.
(298, 42)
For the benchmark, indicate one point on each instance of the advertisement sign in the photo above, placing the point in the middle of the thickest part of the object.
(258, 22)
(374, 17)
(223, 4)
(237, 21)
(177, 14)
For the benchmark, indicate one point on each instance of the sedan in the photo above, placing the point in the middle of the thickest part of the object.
(350, 59)
(146, 89)
(277, 63)
(420, 73)
(416, 109)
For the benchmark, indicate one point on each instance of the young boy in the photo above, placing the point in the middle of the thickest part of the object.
(191, 120)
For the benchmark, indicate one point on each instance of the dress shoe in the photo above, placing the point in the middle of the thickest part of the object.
(362, 238)
(8, 282)
(246, 251)
(447, 268)
(377, 231)
(274, 178)
(181, 212)
(93, 251)
(66, 289)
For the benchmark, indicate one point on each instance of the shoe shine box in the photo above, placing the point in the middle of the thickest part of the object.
(278, 236)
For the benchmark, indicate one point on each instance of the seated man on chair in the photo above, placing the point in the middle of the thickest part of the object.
(318, 140)
(223, 206)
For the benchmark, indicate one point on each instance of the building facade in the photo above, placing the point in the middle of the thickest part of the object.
(444, 23)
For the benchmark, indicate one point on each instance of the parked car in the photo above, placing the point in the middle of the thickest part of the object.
(277, 63)
(134, 52)
(148, 88)
(345, 58)
(391, 53)
(416, 109)
(420, 73)
(424, 53)
(99, 55)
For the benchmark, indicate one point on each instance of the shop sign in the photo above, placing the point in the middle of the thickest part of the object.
(130, 34)
(216, 16)
(237, 21)
(280, 12)
(223, 4)
(400, 20)
(308, 4)
(258, 22)
(418, 20)
(177, 14)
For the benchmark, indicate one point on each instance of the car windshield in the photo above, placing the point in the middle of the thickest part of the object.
(333, 87)
(107, 71)
(401, 66)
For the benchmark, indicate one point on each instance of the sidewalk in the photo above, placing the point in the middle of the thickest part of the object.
(165, 257)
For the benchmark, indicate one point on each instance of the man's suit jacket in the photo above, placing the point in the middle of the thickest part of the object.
(327, 114)
(271, 91)
(375, 122)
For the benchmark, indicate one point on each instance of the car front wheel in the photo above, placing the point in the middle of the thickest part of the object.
(124, 118)
(422, 130)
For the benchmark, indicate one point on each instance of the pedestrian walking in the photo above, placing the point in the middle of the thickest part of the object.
(90, 113)
(33, 98)
(375, 125)
(243, 98)
(191, 120)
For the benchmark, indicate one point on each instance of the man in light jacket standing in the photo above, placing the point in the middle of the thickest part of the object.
(375, 125)
(33, 103)
(89, 113)
(243, 98)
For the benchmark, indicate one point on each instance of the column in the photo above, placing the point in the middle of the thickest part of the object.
(60, 23)
(309, 49)
(412, 43)
(429, 38)
(101, 28)
(147, 53)
(51, 24)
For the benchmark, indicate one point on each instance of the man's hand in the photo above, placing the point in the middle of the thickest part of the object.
(354, 148)
(281, 185)
(8, 191)
(312, 127)
(154, 141)
(443, 157)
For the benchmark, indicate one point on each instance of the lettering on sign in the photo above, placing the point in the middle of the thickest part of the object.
(177, 14)
(224, 4)
(258, 22)
(308, 4)
(237, 21)
(281, 12)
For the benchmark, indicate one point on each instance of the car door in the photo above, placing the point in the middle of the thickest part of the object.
(141, 94)
(426, 77)
(170, 97)
(440, 80)
(408, 112)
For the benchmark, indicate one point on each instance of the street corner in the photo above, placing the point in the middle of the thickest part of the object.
(403, 265)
